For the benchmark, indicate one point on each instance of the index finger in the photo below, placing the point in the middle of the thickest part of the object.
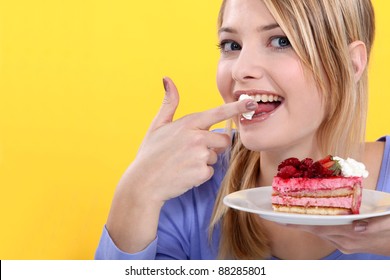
(224, 112)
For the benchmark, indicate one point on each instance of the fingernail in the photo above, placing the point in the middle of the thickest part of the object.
(360, 226)
(251, 105)
(166, 86)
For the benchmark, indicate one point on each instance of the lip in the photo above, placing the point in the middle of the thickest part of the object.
(257, 117)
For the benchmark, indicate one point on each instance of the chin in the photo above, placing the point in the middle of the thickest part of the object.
(257, 144)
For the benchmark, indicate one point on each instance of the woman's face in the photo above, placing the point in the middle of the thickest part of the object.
(258, 60)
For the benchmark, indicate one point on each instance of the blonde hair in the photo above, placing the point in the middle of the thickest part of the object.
(320, 32)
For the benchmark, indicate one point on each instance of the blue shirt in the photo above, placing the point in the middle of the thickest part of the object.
(184, 221)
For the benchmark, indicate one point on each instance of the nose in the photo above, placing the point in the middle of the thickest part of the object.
(248, 65)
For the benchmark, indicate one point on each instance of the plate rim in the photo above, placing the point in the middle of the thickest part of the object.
(302, 219)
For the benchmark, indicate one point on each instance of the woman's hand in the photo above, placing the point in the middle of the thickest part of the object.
(363, 236)
(177, 155)
(174, 157)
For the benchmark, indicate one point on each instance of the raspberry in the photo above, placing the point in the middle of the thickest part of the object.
(287, 172)
(294, 162)
(316, 170)
(305, 164)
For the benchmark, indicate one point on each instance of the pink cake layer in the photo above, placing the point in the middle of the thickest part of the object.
(315, 184)
(340, 202)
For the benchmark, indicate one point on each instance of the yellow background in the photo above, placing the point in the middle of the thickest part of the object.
(80, 81)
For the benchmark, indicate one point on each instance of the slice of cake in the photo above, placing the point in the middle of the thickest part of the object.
(331, 186)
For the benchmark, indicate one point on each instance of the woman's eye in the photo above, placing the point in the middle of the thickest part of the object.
(280, 42)
(228, 46)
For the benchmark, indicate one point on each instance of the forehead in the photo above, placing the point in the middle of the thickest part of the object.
(246, 11)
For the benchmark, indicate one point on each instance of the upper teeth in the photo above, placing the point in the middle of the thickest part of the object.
(262, 97)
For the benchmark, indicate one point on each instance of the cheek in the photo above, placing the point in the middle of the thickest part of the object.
(224, 81)
(308, 111)
(303, 95)
(304, 109)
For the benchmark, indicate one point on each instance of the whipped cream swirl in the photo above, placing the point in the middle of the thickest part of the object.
(351, 167)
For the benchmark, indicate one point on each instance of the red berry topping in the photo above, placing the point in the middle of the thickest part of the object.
(306, 163)
(294, 168)
(290, 162)
(326, 159)
(287, 172)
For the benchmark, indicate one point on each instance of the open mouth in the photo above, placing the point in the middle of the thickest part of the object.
(267, 103)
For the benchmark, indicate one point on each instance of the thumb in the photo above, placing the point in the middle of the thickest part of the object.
(169, 105)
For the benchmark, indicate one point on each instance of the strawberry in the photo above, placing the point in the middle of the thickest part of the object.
(332, 167)
(326, 159)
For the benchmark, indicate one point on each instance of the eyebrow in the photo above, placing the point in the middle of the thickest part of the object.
(260, 28)
(269, 27)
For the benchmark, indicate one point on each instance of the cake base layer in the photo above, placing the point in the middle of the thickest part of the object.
(311, 210)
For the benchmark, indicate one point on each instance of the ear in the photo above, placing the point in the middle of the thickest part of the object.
(358, 53)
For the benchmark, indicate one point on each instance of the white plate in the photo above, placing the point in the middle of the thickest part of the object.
(258, 200)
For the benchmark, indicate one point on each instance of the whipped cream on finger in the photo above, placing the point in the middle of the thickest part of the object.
(247, 115)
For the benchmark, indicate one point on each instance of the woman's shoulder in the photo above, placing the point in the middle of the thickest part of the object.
(377, 161)
(376, 149)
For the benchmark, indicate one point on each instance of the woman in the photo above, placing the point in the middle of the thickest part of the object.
(309, 58)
